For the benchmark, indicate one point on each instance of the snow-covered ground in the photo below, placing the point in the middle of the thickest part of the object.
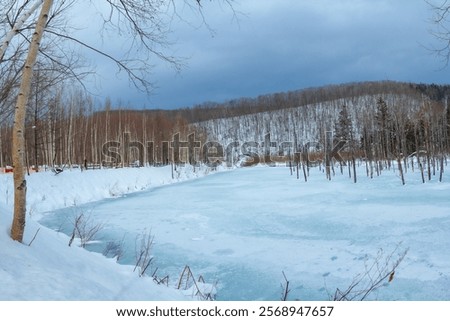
(241, 228)
(51, 270)
(244, 228)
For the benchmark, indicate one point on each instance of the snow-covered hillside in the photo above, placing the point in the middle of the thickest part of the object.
(310, 121)
(51, 270)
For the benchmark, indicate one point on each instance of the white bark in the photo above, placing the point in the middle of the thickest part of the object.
(16, 28)
(18, 153)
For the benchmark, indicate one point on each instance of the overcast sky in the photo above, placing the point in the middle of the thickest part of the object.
(281, 45)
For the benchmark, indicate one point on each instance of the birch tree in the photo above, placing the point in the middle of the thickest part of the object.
(140, 20)
(18, 153)
(17, 26)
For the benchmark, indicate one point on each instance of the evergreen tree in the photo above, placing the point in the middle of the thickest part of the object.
(343, 127)
(384, 128)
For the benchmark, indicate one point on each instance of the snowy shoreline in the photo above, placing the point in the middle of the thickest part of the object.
(49, 269)
(315, 232)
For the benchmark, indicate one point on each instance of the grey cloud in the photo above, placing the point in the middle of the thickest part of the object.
(286, 45)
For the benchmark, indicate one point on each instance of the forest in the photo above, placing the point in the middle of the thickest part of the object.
(378, 121)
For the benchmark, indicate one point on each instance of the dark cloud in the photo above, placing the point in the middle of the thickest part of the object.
(287, 45)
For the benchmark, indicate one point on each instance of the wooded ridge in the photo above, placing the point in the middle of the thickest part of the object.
(378, 120)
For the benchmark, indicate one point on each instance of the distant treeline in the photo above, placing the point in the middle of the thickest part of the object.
(66, 128)
(303, 97)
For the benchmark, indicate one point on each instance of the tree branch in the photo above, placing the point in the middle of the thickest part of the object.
(16, 28)
(138, 81)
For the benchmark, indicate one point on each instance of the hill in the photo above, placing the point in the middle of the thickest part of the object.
(381, 119)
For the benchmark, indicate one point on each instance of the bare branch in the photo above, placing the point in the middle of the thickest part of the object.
(138, 81)
(378, 273)
(285, 288)
(84, 229)
(441, 31)
(143, 253)
(34, 237)
(17, 26)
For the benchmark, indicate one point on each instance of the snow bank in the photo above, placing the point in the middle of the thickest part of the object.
(47, 191)
(49, 269)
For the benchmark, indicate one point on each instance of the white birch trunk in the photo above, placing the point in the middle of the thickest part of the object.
(18, 152)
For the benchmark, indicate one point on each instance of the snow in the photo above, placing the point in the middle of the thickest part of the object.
(51, 270)
(239, 228)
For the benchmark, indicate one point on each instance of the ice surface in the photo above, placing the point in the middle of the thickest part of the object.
(243, 228)
(49, 269)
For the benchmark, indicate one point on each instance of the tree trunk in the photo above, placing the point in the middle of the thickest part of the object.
(18, 152)
(400, 169)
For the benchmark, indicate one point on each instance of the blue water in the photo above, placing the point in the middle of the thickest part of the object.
(242, 229)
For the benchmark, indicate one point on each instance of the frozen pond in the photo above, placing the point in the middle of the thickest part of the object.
(245, 227)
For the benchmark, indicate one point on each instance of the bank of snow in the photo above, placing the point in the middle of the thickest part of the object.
(49, 269)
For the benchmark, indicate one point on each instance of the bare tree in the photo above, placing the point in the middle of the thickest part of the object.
(141, 20)
(20, 184)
